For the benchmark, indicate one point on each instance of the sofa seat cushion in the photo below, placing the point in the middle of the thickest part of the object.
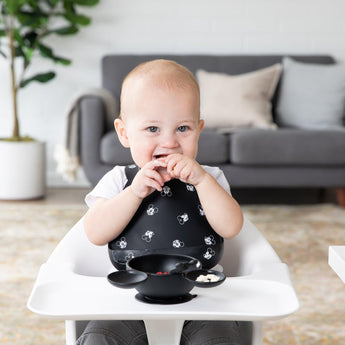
(288, 147)
(112, 152)
(213, 147)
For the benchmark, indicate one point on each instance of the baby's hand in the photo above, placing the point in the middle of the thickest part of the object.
(149, 178)
(186, 169)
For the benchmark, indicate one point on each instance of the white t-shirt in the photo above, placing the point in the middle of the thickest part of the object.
(114, 181)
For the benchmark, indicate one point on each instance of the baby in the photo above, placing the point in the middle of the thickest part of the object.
(160, 124)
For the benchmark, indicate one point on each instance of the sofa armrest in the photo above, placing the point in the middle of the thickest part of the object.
(92, 126)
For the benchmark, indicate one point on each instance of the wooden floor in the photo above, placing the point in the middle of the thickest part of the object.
(68, 196)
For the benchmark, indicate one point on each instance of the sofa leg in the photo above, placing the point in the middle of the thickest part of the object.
(341, 196)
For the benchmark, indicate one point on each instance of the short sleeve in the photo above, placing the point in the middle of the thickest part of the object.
(111, 184)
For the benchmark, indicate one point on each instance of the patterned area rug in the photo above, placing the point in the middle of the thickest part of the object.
(300, 235)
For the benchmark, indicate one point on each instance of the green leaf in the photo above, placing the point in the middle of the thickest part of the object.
(18, 52)
(24, 47)
(2, 33)
(41, 78)
(34, 4)
(62, 61)
(68, 30)
(45, 51)
(13, 6)
(86, 2)
(53, 3)
(33, 19)
(69, 6)
(28, 54)
(18, 37)
(77, 19)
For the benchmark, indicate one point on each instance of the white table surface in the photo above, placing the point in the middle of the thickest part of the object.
(266, 295)
(336, 259)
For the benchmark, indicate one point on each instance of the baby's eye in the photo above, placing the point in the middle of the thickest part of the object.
(152, 129)
(182, 128)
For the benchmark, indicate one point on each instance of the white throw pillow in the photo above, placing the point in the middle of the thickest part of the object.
(237, 101)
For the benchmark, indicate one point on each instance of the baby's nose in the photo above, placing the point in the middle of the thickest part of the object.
(169, 141)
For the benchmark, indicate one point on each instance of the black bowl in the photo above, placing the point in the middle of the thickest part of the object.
(162, 277)
(165, 275)
(165, 280)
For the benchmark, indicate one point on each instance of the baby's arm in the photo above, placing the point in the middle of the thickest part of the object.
(107, 218)
(221, 209)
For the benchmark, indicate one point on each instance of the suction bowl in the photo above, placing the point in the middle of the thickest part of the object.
(165, 280)
(162, 277)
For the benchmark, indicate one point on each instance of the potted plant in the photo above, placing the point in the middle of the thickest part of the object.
(25, 26)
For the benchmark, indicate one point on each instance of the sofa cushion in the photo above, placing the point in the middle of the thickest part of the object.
(213, 147)
(288, 147)
(311, 95)
(244, 100)
(112, 152)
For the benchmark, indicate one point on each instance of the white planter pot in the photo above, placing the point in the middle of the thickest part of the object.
(22, 170)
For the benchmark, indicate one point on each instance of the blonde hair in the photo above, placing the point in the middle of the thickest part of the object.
(166, 74)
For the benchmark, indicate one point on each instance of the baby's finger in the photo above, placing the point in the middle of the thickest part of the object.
(158, 163)
(165, 175)
(153, 184)
(185, 172)
(153, 165)
(154, 175)
(171, 165)
(178, 167)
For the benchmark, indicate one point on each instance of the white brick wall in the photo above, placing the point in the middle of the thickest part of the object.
(179, 26)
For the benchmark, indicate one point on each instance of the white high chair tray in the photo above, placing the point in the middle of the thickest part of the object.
(265, 295)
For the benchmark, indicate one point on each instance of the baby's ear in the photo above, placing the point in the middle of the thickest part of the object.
(121, 132)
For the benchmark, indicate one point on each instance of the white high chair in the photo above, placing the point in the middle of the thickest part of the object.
(260, 290)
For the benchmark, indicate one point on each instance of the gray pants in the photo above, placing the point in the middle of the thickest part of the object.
(193, 333)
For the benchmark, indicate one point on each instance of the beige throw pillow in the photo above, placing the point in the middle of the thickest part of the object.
(233, 101)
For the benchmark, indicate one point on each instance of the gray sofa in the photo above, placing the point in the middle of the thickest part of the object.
(287, 157)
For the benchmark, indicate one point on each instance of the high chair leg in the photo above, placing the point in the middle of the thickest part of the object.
(257, 333)
(71, 334)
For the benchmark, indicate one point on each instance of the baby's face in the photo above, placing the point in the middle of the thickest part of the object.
(159, 122)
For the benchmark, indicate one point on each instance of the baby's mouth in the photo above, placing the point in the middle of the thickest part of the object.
(160, 156)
